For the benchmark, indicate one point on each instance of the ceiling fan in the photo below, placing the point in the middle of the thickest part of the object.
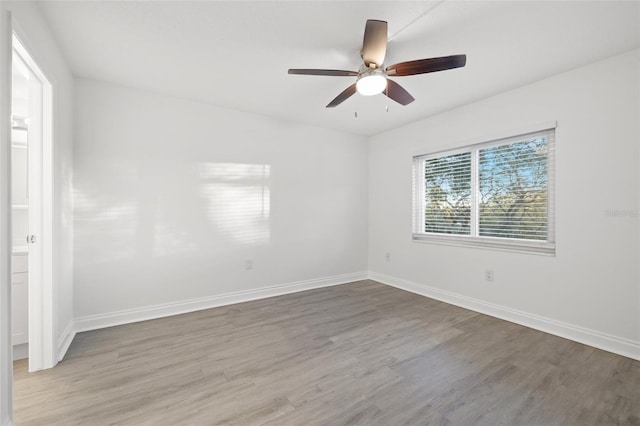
(372, 78)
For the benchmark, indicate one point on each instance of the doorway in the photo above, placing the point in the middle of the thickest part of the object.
(31, 211)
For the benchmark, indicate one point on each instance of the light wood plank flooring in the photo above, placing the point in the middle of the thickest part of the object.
(361, 353)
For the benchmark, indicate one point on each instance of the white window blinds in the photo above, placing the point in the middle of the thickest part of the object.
(497, 194)
(447, 194)
(513, 190)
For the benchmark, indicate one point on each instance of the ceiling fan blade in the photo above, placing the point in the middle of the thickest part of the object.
(423, 66)
(397, 93)
(346, 93)
(338, 73)
(374, 45)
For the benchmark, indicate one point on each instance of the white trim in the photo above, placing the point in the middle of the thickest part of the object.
(6, 347)
(110, 319)
(487, 138)
(607, 342)
(20, 351)
(597, 339)
(42, 312)
(490, 243)
(65, 339)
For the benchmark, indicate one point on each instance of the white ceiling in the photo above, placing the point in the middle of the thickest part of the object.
(236, 54)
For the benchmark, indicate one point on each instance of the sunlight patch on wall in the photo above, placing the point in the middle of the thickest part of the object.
(111, 222)
(238, 199)
(171, 239)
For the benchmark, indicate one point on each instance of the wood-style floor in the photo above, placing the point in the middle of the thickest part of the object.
(361, 353)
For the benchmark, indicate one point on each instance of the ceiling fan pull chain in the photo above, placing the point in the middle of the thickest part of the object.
(386, 93)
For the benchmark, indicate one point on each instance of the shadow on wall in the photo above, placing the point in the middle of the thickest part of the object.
(153, 210)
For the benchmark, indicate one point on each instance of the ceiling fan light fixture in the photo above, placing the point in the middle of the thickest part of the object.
(371, 84)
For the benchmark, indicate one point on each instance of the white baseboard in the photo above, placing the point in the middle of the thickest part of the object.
(65, 339)
(607, 342)
(94, 322)
(20, 351)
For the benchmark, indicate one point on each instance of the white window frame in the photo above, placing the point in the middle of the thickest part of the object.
(547, 247)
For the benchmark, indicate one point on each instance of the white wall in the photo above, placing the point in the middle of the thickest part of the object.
(172, 197)
(592, 284)
(39, 42)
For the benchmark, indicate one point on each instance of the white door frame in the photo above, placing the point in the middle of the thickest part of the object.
(44, 355)
(6, 347)
(42, 349)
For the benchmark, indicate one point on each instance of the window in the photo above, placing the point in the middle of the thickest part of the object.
(497, 194)
(447, 194)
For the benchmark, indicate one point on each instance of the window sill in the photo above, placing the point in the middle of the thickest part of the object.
(502, 244)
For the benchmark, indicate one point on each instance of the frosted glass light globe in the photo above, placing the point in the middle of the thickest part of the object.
(371, 84)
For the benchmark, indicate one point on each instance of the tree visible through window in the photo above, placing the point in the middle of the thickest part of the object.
(448, 194)
(513, 190)
(495, 190)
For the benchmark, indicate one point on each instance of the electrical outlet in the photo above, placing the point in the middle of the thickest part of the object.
(387, 257)
(488, 275)
(248, 264)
